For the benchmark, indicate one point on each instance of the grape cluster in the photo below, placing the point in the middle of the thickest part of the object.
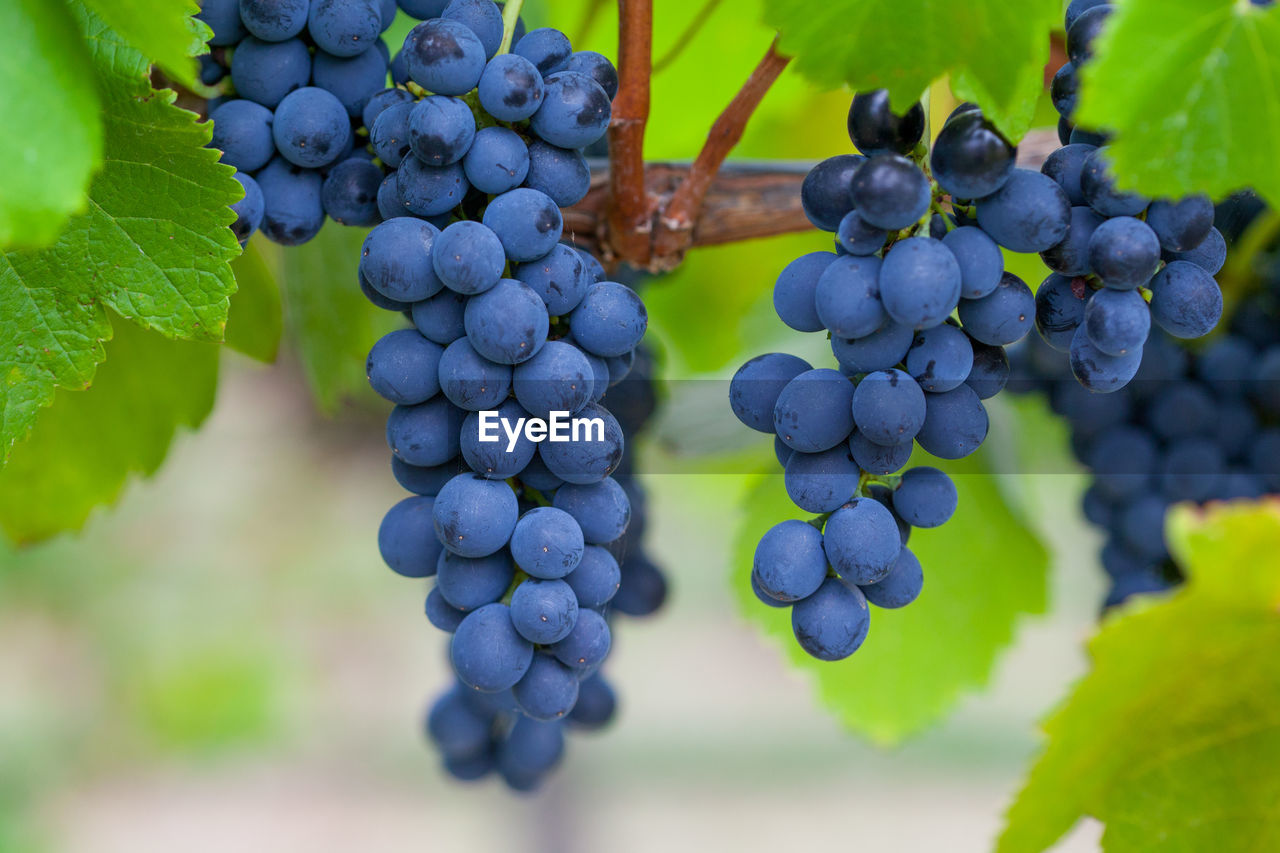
(1192, 426)
(302, 72)
(1126, 261)
(909, 372)
(525, 537)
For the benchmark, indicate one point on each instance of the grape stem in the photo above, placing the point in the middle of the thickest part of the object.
(685, 206)
(510, 15)
(630, 207)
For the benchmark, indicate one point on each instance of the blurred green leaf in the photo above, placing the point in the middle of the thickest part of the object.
(1199, 111)
(88, 444)
(995, 51)
(1173, 739)
(256, 319)
(983, 571)
(333, 324)
(46, 90)
(164, 31)
(153, 246)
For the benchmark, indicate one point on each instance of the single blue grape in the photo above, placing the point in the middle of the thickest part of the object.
(824, 194)
(497, 161)
(1181, 225)
(396, 259)
(821, 482)
(507, 323)
(643, 588)
(403, 367)
(1065, 167)
(527, 221)
(1002, 317)
(1065, 88)
(1029, 213)
(793, 292)
(510, 89)
(430, 190)
(456, 727)
(1059, 311)
(557, 379)
(389, 134)
(1098, 371)
(858, 237)
(474, 517)
(420, 480)
(610, 320)
(1185, 300)
(549, 690)
(350, 192)
(344, 27)
(468, 258)
(789, 562)
(425, 434)
(380, 102)
(596, 703)
(884, 348)
(1210, 255)
(1084, 30)
(602, 510)
(940, 358)
(754, 389)
(1124, 252)
(888, 407)
(990, 372)
(407, 540)
(440, 318)
(547, 543)
(813, 412)
(847, 296)
(561, 173)
(265, 72)
(575, 111)
(890, 192)
(587, 645)
(441, 614)
(597, 578)
(589, 457)
(487, 652)
(559, 278)
(925, 497)
(955, 423)
(242, 132)
(970, 158)
(861, 541)
(293, 210)
(492, 459)
(979, 258)
(900, 587)
(876, 129)
(546, 48)
(544, 611)
(444, 57)
(223, 17)
(530, 751)
(467, 583)
(919, 282)
(832, 623)
(597, 67)
(471, 381)
(482, 17)
(441, 130)
(878, 458)
(1117, 321)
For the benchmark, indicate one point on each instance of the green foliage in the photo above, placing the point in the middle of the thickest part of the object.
(1173, 739)
(153, 245)
(256, 320)
(49, 107)
(983, 570)
(1190, 89)
(162, 30)
(994, 50)
(89, 443)
(332, 324)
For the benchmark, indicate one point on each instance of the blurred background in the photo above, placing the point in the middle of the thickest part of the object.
(222, 662)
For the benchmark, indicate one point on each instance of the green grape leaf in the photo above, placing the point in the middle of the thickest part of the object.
(1173, 738)
(332, 323)
(51, 112)
(983, 570)
(164, 31)
(1199, 111)
(256, 320)
(994, 50)
(88, 444)
(153, 245)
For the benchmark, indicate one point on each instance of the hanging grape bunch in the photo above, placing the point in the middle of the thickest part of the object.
(1127, 261)
(908, 373)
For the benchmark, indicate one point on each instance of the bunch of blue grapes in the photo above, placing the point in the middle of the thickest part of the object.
(302, 73)
(918, 308)
(526, 539)
(1126, 262)
(1193, 425)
